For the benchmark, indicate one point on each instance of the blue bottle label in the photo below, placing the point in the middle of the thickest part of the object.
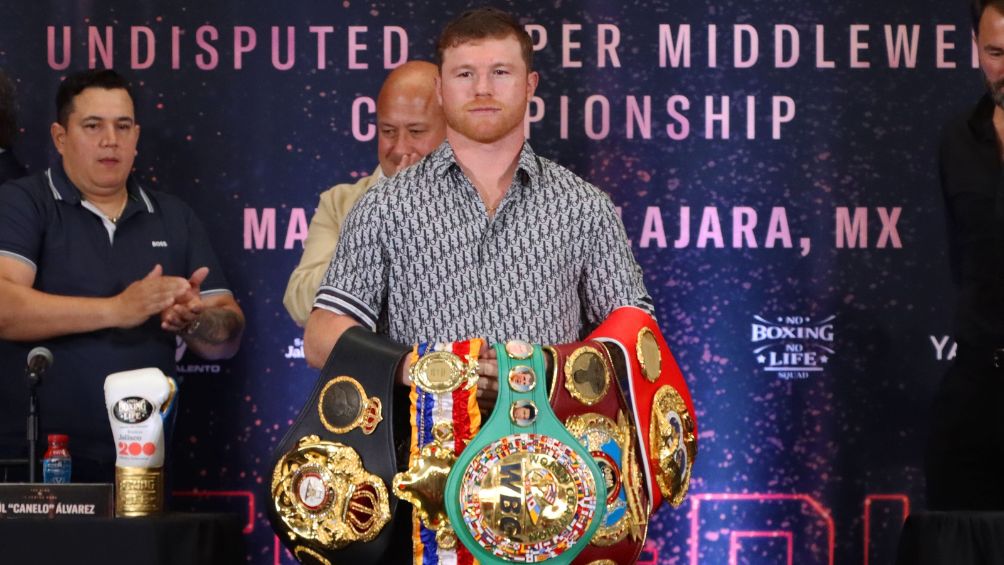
(56, 470)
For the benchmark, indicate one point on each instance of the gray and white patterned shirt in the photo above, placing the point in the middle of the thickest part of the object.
(419, 259)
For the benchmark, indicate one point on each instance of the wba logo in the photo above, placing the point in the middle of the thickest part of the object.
(792, 347)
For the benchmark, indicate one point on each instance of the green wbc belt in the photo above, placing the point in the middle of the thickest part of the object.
(524, 490)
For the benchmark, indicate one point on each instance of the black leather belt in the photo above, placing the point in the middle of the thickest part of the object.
(329, 494)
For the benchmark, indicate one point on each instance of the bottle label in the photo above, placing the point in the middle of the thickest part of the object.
(56, 470)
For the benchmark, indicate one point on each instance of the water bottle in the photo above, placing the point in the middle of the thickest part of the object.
(56, 463)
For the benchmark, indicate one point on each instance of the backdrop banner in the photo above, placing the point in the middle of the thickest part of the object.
(774, 162)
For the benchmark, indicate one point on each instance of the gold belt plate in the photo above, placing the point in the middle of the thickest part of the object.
(323, 494)
(442, 371)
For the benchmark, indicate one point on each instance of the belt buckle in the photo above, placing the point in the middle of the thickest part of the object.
(998, 358)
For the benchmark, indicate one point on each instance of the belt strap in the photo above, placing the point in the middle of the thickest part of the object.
(329, 499)
(524, 489)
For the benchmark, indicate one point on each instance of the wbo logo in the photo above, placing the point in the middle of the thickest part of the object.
(792, 347)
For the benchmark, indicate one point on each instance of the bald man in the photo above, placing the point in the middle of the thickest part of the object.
(410, 124)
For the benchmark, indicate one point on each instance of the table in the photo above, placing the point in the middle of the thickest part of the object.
(173, 538)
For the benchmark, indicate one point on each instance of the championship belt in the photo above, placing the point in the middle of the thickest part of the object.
(524, 490)
(138, 402)
(444, 418)
(329, 499)
(662, 407)
(586, 396)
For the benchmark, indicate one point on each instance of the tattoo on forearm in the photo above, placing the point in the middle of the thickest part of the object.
(216, 326)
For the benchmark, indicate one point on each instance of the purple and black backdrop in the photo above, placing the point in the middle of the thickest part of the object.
(775, 163)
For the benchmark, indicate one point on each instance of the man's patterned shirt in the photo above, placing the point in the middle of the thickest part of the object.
(419, 259)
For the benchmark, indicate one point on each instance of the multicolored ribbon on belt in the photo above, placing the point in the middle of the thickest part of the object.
(444, 417)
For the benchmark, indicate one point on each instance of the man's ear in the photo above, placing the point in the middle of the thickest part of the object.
(58, 133)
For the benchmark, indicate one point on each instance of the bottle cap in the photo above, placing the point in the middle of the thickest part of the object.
(59, 438)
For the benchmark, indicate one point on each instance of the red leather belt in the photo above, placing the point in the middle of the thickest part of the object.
(661, 403)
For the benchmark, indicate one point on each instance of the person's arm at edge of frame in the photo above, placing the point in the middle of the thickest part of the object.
(323, 331)
(28, 314)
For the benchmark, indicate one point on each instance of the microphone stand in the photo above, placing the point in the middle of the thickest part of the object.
(34, 379)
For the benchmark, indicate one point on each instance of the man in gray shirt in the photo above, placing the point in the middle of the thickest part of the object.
(482, 238)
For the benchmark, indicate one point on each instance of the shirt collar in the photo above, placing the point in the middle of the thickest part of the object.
(443, 160)
(981, 121)
(64, 189)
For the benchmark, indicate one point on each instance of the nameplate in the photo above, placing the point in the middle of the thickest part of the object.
(53, 501)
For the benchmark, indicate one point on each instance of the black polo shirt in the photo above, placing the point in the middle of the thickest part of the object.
(973, 186)
(76, 251)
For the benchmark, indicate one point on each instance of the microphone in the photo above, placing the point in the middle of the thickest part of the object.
(39, 360)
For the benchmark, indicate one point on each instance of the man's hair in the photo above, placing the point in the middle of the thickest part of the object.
(482, 23)
(8, 113)
(78, 82)
(976, 8)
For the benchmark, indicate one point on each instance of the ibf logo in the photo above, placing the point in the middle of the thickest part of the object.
(792, 347)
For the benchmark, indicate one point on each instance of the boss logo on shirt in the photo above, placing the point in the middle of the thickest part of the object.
(157, 243)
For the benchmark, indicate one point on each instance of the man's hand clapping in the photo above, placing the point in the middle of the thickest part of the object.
(186, 308)
(150, 295)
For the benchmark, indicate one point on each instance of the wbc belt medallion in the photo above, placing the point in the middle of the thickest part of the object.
(524, 490)
(323, 495)
(527, 498)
